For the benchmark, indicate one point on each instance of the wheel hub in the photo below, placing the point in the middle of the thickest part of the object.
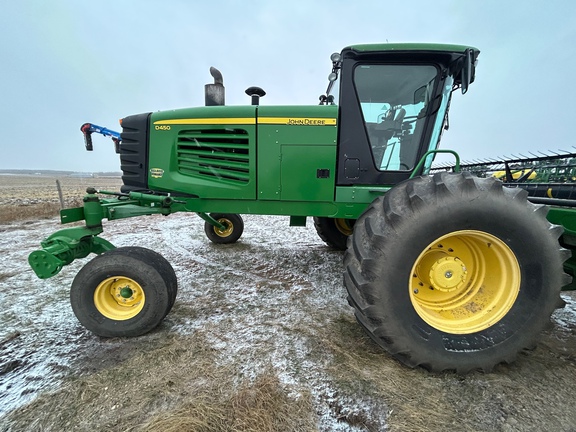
(447, 274)
(227, 231)
(126, 292)
(119, 298)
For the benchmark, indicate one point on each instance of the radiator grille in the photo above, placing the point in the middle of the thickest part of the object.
(134, 152)
(215, 154)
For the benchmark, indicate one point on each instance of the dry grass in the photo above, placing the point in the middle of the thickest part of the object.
(414, 400)
(168, 381)
(36, 197)
(410, 396)
(47, 210)
(260, 406)
(175, 385)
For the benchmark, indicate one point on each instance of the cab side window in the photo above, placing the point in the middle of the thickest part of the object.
(394, 101)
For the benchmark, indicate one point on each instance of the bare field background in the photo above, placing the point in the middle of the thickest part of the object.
(260, 339)
(36, 196)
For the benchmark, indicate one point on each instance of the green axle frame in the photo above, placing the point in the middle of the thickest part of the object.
(66, 245)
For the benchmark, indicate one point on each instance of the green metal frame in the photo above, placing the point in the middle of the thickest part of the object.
(566, 217)
(66, 245)
(63, 247)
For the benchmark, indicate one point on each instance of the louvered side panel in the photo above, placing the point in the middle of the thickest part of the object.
(214, 154)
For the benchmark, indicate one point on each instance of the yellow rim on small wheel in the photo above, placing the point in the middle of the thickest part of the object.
(343, 226)
(119, 298)
(224, 232)
(464, 282)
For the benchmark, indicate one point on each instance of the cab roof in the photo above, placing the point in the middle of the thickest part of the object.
(366, 48)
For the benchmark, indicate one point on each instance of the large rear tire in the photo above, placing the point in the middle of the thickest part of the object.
(453, 272)
(121, 294)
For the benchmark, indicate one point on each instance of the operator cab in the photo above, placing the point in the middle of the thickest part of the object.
(394, 100)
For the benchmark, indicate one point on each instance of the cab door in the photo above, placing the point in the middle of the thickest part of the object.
(386, 115)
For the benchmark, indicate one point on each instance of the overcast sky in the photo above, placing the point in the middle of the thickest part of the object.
(66, 62)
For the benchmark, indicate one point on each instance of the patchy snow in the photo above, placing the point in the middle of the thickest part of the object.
(564, 318)
(260, 303)
(255, 301)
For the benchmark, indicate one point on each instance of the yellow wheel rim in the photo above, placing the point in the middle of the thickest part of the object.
(119, 298)
(224, 232)
(343, 226)
(464, 282)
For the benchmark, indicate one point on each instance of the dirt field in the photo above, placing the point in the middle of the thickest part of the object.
(35, 189)
(36, 196)
(260, 338)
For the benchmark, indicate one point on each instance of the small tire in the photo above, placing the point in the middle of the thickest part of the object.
(334, 231)
(121, 294)
(454, 272)
(234, 228)
(161, 263)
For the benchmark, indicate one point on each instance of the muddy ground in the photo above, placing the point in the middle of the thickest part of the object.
(260, 338)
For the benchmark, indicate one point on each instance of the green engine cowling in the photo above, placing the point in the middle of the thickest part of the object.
(213, 152)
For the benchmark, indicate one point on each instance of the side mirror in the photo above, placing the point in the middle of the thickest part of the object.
(467, 70)
(336, 65)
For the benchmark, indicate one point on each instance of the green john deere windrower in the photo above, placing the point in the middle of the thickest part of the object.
(446, 270)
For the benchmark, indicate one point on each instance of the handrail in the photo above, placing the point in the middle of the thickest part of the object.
(428, 153)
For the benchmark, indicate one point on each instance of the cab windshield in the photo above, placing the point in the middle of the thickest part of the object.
(394, 101)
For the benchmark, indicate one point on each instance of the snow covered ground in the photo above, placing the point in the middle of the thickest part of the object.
(273, 300)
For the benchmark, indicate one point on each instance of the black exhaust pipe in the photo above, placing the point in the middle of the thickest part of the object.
(215, 93)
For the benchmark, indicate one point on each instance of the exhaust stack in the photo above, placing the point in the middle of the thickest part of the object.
(214, 94)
